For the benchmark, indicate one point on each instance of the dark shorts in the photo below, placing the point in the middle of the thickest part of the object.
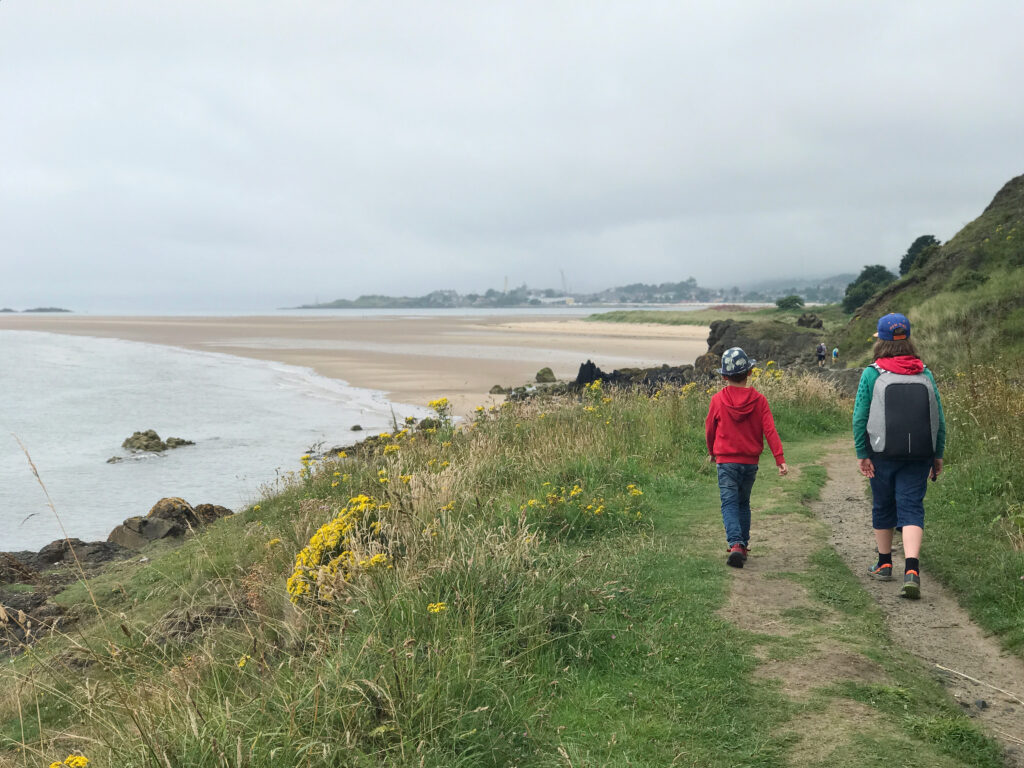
(897, 492)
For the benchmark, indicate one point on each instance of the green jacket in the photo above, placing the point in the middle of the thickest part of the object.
(863, 404)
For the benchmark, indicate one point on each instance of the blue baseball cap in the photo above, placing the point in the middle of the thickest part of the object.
(893, 327)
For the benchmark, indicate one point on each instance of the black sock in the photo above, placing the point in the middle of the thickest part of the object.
(885, 559)
(913, 564)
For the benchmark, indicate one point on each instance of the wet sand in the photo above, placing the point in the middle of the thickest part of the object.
(413, 359)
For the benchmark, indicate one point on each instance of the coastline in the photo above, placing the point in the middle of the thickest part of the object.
(413, 359)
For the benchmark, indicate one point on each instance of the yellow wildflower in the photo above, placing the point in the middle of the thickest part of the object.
(342, 455)
(633, 490)
(391, 449)
(244, 660)
(273, 542)
(405, 478)
(448, 507)
(440, 404)
(437, 608)
(444, 464)
(76, 761)
(255, 507)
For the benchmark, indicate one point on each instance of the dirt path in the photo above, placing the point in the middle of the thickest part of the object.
(935, 628)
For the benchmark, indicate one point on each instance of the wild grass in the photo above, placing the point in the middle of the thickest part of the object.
(508, 588)
(831, 314)
(975, 529)
(579, 629)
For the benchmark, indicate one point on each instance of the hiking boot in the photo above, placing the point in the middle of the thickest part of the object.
(911, 586)
(737, 556)
(881, 571)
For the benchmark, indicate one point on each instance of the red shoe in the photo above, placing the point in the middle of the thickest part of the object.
(737, 556)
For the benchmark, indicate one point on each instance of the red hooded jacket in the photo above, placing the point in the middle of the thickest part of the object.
(739, 420)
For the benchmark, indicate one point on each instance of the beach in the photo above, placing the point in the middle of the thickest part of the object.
(412, 358)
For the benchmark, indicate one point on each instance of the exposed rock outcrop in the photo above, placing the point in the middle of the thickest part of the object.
(545, 376)
(150, 442)
(170, 518)
(647, 378)
(810, 320)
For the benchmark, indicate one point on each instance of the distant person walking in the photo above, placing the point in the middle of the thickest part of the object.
(738, 422)
(820, 351)
(899, 432)
(835, 355)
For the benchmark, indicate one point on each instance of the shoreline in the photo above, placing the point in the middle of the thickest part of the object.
(411, 359)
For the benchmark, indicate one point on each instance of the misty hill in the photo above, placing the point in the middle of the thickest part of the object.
(964, 298)
(818, 290)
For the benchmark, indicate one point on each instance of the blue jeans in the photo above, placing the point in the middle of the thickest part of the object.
(897, 492)
(734, 484)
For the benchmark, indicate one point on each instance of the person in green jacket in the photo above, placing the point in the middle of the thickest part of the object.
(898, 485)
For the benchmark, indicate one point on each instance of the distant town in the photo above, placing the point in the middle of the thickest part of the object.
(825, 290)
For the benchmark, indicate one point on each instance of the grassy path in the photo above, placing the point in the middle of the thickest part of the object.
(785, 662)
(988, 681)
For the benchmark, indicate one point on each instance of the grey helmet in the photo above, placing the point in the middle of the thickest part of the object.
(735, 361)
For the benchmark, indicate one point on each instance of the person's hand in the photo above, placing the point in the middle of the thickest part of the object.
(867, 468)
(783, 469)
(936, 469)
(711, 458)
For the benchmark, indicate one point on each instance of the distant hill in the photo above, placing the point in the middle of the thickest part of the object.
(965, 298)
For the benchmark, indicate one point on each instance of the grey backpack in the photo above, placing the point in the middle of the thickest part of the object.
(903, 422)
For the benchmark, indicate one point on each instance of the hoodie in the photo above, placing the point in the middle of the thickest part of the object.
(738, 422)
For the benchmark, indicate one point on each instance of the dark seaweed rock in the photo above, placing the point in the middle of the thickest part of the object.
(650, 379)
(545, 376)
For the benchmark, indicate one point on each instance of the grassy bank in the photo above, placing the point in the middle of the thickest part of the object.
(832, 315)
(975, 536)
(543, 588)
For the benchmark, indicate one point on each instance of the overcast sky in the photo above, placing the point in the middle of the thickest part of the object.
(189, 155)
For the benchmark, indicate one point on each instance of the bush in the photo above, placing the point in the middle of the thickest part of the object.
(790, 302)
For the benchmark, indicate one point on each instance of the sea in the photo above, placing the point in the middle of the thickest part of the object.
(68, 402)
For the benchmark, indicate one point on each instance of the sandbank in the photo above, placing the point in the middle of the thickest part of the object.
(414, 359)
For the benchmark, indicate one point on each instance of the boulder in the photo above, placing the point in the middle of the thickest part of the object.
(170, 518)
(209, 513)
(175, 510)
(148, 441)
(545, 376)
(497, 389)
(139, 532)
(810, 320)
(356, 428)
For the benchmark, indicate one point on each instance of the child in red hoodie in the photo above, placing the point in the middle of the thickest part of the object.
(739, 420)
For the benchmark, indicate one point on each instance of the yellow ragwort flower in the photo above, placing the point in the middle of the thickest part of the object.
(437, 607)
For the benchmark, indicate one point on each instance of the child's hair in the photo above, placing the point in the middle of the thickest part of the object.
(885, 348)
(738, 378)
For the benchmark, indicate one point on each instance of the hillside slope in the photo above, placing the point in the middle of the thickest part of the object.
(967, 297)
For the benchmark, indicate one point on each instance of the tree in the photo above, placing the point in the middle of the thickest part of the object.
(790, 302)
(915, 249)
(868, 283)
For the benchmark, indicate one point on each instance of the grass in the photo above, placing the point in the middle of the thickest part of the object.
(583, 628)
(831, 314)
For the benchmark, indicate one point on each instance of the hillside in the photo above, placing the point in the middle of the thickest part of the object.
(966, 298)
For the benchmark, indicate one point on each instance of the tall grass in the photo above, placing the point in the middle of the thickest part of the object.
(440, 652)
(975, 538)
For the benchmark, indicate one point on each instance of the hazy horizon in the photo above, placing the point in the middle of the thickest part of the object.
(237, 155)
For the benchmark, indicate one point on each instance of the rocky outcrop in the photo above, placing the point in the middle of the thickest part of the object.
(170, 518)
(647, 378)
(764, 341)
(150, 442)
(810, 320)
(545, 376)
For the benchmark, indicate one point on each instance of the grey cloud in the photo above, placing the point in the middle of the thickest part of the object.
(193, 152)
